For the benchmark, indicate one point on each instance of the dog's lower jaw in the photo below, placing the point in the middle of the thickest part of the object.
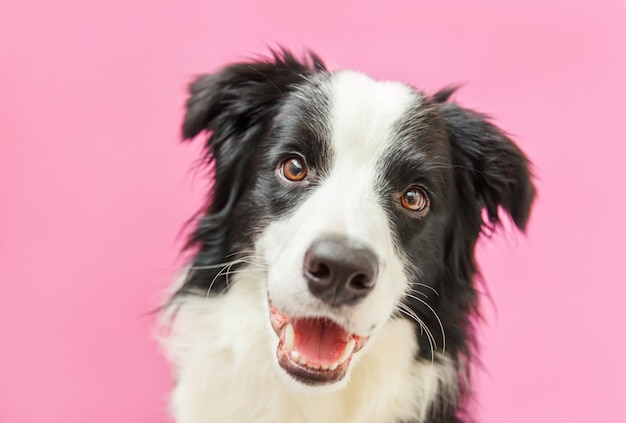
(226, 369)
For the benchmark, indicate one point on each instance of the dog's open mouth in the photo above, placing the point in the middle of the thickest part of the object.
(314, 351)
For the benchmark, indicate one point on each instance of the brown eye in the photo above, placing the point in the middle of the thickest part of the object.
(293, 169)
(415, 199)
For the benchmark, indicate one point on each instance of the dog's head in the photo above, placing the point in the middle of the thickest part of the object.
(361, 200)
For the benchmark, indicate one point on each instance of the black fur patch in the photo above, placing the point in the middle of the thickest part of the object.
(237, 108)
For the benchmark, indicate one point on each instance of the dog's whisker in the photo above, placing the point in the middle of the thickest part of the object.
(243, 252)
(443, 333)
(251, 262)
(425, 286)
(240, 252)
(236, 271)
(423, 328)
(414, 316)
(233, 272)
(229, 263)
(208, 292)
(226, 270)
(422, 325)
(423, 294)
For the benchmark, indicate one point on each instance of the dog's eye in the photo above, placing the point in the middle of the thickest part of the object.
(293, 169)
(415, 199)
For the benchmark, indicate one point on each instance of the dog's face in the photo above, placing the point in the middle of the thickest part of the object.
(355, 176)
(361, 200)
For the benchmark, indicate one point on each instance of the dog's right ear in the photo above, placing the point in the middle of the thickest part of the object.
(243, 95)
(235, 108)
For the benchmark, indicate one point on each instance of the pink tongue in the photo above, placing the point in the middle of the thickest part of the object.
(319, 340)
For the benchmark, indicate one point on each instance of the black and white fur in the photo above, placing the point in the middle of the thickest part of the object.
(364, 142)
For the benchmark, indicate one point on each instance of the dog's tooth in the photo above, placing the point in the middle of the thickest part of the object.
(289, 337)
(295, 356)
(313, 366)
(302, 361)
(347, 351)
(324, 366)
(333, 366)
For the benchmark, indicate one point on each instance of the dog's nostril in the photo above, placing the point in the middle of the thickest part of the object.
(320, 271)
(360, 282)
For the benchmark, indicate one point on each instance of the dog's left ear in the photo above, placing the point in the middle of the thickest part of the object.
(492, 168)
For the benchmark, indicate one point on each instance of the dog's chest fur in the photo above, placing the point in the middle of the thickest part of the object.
(225, 370)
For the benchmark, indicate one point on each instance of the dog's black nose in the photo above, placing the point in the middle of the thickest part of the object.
(339, 272)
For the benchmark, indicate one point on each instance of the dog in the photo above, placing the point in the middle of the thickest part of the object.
(332, 275)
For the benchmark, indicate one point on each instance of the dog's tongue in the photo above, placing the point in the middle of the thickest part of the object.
(320, 340)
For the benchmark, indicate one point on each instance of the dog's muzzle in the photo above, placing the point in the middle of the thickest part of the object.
(317, 350)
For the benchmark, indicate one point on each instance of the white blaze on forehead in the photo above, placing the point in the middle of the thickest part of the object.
(363, 114)
(362, 126)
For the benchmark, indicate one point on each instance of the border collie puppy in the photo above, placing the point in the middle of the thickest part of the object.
(332, 277)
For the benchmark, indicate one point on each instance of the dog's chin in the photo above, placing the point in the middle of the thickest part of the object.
(314, 351)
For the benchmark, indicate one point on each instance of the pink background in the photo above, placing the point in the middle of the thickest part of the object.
(95, 187)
